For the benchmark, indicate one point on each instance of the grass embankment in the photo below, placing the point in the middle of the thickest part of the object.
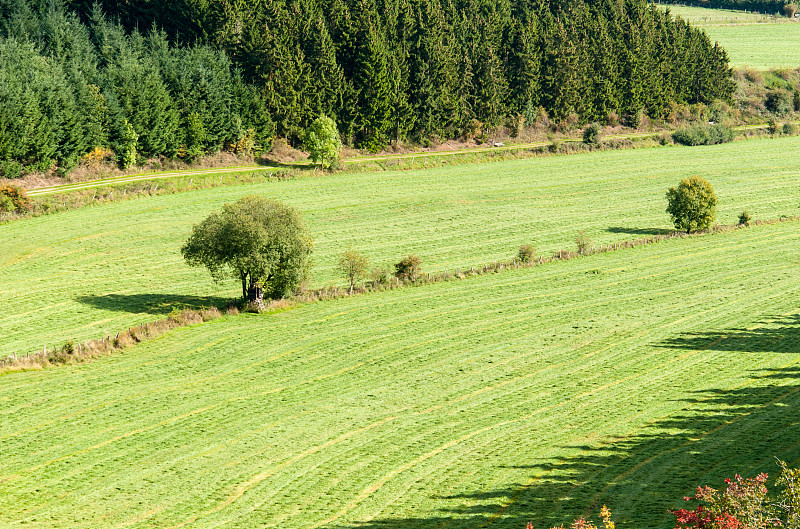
(754, 40)
(624, 378)
(87, 273)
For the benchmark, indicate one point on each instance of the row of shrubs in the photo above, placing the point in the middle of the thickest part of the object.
(703, 134)
(73, 353)
(408, 271)
(354, 266)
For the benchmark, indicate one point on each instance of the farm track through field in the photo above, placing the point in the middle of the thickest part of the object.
(538, 394)
(90, 184)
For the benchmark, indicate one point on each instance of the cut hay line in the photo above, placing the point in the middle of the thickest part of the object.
(123, 436)
(243, 488)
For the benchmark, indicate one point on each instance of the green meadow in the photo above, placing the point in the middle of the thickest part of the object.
(754, 40)
(95, 271)
(759, 46)
(538, 395)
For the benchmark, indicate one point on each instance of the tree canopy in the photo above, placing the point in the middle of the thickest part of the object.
(259, 241)
(692, 205)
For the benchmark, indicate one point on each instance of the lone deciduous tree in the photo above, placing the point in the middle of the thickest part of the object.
(259, 241)
(354, 266)
(322, 140)
(692, 205)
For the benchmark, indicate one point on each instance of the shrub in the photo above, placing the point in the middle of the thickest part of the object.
(692, 205)
(703, 134)
(744, 218)
(788, 501)
(380, 276)
(526, 253)
(96, 157)
(583, 523)
(408, 268)
(591, 134)
(336, 163)
(789, 10)
(779, 102)
(773, 126)
(10, 169)
(745, 504)
(583, 242)
(789, 129)
(209, 314)
(718, 111)
(14, 199)
(61, 356)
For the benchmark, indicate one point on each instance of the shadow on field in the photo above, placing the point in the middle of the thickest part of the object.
(647, 471)
(781, 335)
(639, 231)
(161, 304)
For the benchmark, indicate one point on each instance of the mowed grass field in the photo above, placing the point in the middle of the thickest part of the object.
(759, 46)
(90, 272)
(751, 39)
(533, 395)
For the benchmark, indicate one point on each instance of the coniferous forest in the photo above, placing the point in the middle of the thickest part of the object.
(190, 77)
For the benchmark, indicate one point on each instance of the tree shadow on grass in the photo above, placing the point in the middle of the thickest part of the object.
(775, 335)
(639, 231)
(646, 472)
(158, 304)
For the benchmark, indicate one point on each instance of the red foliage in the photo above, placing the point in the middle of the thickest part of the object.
(742, 505)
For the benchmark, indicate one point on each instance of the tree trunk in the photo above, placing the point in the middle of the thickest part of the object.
(255, 293)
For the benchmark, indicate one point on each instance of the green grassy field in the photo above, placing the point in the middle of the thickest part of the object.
(80, 274)
(761, 46)
(700, 16)
(624, 378)
(751, 39)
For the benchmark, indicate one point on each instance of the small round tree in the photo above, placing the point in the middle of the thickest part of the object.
(692, 205)
(322, 140)
(259, 241)
(354, 266)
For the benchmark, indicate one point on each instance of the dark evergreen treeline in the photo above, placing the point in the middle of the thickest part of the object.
(388, 69)
(383, 69)
(68, 87)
